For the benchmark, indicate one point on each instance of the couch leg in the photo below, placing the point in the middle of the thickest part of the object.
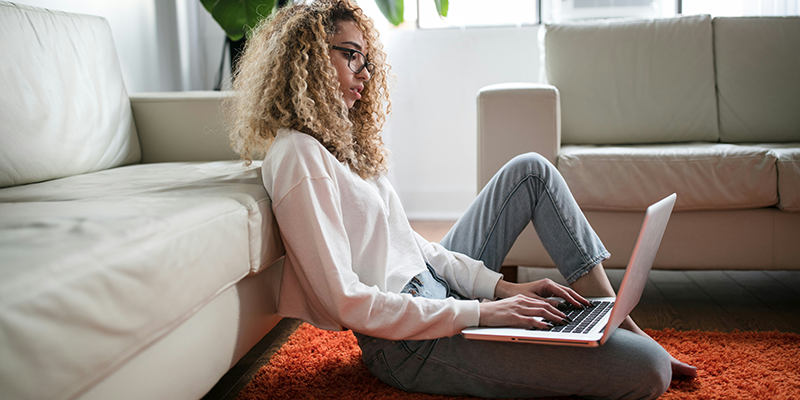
(509, 273)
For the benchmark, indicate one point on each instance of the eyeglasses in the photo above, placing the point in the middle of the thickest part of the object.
(356, 60)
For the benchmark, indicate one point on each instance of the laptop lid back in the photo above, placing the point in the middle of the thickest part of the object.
(644, 253)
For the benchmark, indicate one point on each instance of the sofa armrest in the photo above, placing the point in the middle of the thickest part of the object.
(516, 118)
(181, 126)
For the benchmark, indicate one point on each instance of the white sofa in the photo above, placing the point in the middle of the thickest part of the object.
(138, 258)
(637, 109)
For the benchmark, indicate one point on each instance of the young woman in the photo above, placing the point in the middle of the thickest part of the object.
(311, 94)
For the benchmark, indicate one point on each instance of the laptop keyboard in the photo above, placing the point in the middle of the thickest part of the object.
(583, 319)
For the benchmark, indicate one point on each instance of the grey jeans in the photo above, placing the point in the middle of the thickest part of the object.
(528, 188)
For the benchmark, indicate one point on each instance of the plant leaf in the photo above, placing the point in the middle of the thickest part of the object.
(256, 10)
(237, 17)
(442, 6)
(392, 10)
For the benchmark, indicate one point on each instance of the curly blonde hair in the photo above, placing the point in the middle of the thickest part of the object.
(285, 79)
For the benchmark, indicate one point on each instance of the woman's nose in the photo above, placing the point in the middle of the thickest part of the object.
(364, 75)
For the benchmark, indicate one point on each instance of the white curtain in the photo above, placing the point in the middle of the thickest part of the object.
(191, 46)
(200, 40)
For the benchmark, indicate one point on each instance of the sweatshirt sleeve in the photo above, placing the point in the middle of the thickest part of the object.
(310, 219)
(466, 276)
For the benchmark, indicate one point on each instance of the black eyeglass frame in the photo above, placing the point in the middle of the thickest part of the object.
(368, 65)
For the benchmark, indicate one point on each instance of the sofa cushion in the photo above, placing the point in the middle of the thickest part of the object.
(63, 104)
(85, 285)
(97, 267)
(643, 81)
(220, 179)
(757, 62)
(706, 176)
(788, 155)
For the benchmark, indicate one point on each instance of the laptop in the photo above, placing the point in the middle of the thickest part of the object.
(592, 326)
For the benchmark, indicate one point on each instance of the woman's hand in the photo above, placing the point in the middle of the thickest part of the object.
(520, 310)
(541, 289)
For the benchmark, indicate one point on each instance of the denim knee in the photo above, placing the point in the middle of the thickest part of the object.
(530, 164)
(636, 367)
(653, 373)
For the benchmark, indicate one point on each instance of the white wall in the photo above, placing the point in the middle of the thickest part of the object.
(432, 132)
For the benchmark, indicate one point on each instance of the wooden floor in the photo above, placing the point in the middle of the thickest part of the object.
(683, 300)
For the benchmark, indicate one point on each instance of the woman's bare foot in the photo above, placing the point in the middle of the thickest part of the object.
(679, 368)
(595, 284)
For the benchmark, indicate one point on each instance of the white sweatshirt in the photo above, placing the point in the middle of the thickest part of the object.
(350, 250)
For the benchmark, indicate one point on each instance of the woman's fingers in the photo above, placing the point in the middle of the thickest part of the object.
(531, 307)
(553, 302)
(538, 324)
(550, 288)
(520, 310)
(574, 298)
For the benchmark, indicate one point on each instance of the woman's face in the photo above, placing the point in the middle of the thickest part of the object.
(350, 83)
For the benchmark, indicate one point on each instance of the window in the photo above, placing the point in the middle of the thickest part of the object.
(482, 13)
(572, 10)
(477, 13)
(740, 8)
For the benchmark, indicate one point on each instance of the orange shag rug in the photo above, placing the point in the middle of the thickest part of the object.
(317, 364)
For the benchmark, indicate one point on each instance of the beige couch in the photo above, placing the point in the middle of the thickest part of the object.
(636, 110)
(138, 258)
